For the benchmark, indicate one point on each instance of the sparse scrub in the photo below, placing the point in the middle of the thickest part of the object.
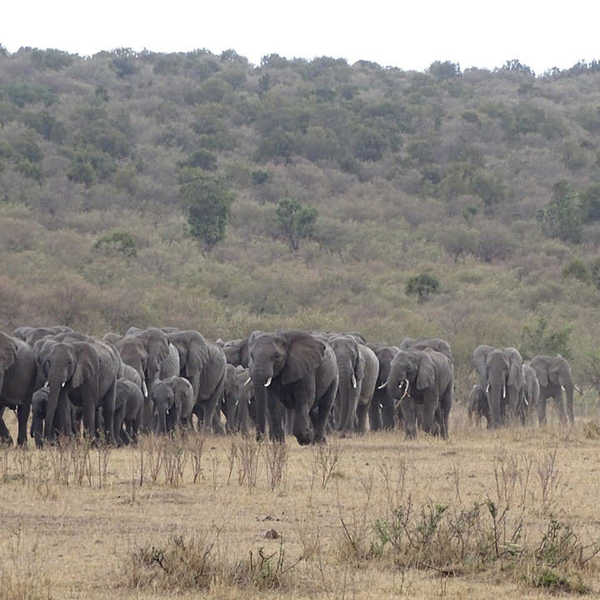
(326, 459)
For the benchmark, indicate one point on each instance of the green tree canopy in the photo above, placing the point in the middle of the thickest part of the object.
(296, 221)
(207, 200)
(562, 218)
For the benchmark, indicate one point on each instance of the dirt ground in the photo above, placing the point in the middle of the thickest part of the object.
(71, 524)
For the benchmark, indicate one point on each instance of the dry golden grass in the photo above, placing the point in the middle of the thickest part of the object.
(305, 522)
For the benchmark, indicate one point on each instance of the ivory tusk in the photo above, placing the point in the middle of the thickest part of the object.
(62, 385)
(354, 384)
(247, 381)
(268, 382)
(144, 388)
(405, 384)
(382, 385)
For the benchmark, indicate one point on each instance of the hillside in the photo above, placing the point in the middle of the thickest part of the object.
(489, 182)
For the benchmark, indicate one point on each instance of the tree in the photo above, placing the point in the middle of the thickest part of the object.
(296, 221)
(207, 199)
(539, 339)
(422, 286)
(562, 217)
(444, 70)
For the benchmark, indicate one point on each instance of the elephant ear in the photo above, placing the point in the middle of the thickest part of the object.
(197, 356)
(359, 366)
(515, 375)
(88, 364)
(542, 374)
(304, 355)
(426, 374)
(559, 372)
(8, 352)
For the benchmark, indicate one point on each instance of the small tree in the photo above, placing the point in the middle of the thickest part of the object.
(296, 221)
(207, 200)
(539, 339)
(562, 217)
(422, 286)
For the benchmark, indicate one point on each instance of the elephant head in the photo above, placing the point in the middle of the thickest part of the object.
(351, 368)
(69, 365)
(193, 352)
(236, 352)
(498, 368)
(163, 398)
(554, 373)
(278, 360)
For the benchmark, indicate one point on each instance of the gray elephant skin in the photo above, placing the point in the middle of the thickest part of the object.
(129, 411)
(295, 370)
(478, 406)
(238, 395)
(554, 375)
(421, 381)
(17, 383)
(84, 372)
(531, 393)
(358, 368)
(383, 411)
(173, 401)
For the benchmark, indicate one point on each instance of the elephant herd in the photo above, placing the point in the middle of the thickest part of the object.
(309, 384)
(510, 390)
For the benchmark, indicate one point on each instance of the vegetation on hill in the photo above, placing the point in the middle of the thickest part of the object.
(198, 190)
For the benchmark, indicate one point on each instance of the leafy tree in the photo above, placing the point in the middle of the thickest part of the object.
(562, 216)
(576, 269)
(296, 221)
(540, 339)
(120, 242)
(51, 59)
(207, 201)
(490, 189)
(203, 159)
(124, 61)
(590, 203)
(595, 272)
(516, 66)
(422, 286)
(444, 70)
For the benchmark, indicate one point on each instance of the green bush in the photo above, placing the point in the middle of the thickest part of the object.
(423, 286)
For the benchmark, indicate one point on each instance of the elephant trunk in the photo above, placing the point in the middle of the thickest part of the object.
(161, 420)
(496, 400)
(569, 399)
(37, 426)
(56, 383)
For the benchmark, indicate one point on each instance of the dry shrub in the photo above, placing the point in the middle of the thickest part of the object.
(276, 460)
(326, 459)
(22, 573)
(197, 562)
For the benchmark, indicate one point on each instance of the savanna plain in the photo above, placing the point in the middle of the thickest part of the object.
(509, 513)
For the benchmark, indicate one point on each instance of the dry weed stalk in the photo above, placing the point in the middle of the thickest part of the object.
(549, 477)
(195, 447)
(175, 457)
(276, 460)
(326, 460)
(248, 462)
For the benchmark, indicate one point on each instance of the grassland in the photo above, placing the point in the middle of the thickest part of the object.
(485, 515)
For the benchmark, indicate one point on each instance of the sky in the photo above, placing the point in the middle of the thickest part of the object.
(405, 34)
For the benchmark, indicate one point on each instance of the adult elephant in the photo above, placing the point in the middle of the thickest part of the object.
(149, 352)
(296, 370)
(17, 383)
(554, 375)
(358, 368)
(531, 393)
(173, 400)
(32, 334)
(202, 363)
(238, 395)
(422, 381)
(383, 411)
(84, 372)
(236, 352)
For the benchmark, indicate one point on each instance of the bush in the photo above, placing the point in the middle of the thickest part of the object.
(422, 286)
(119, 242)
(576, 269)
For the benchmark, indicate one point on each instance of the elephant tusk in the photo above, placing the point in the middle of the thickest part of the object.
(247, 381)
(382, 385)
(354, 384)
(62, 385)
(46, 386)
(268, 383)
(487, 389)
(579, 390)
(144, 388)
(404, 384)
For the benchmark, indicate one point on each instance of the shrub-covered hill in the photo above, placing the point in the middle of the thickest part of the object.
(463, 204)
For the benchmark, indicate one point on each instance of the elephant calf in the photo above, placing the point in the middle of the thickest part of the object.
(173, 400)
(478, 406)
(129, 407)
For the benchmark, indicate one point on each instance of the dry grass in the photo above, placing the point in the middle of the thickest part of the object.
(485, 515)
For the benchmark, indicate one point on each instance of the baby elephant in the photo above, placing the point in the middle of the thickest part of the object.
(238, 394)
(173, 400)
(128, 411)
(479, 406)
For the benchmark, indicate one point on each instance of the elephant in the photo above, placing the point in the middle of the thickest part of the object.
(500, 373)
(437, 344)
(18, 375)
(383, 411)
(238, 394)
(173, 400)
(422, 381)
(84, 372)
(554, 375)
(296, 370)
(531, 393)
(358, 368)
(129, 411)
(149, 352)
(202, 363)
(478, 405)
(236, 352)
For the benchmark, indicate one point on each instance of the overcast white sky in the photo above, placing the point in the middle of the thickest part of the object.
(407, 34)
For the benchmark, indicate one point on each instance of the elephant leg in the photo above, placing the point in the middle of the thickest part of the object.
(22, 417)
(362, 411)
(560, 406)
(89, 418)
(375, 422)
(427, 412)
(409, 417)
(275, 413)
(108, 413)
(5, 437)
(324, 406)
(541, 409)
